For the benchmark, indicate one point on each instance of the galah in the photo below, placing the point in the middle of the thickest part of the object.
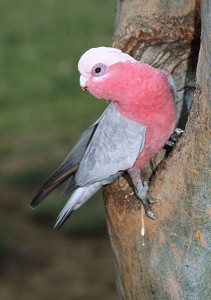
(136, 124)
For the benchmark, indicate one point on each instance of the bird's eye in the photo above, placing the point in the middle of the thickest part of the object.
(98, 70)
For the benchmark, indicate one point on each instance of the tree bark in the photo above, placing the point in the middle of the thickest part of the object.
(172, 260)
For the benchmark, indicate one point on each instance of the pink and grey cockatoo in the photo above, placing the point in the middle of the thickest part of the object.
(133, 128)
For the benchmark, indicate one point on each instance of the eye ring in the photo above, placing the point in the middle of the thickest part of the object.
(98, 70)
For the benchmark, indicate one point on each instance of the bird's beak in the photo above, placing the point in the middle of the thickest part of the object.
(83, 81)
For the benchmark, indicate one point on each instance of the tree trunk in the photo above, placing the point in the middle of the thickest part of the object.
(172, 259)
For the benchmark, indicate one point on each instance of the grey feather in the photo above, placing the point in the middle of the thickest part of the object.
(114, 147)
(66, 171)
(105, 150)
(79, 197)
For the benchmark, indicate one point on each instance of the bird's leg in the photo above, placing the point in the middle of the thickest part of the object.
(141, 189)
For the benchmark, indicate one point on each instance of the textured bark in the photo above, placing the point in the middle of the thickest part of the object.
(172, 260)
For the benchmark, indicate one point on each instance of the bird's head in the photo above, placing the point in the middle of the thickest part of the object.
(137, 89)
(98, 69)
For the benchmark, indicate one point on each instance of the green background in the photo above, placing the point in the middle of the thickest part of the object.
(42, 113)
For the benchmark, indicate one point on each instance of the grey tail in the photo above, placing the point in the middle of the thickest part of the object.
(57, 178)
(78, 197)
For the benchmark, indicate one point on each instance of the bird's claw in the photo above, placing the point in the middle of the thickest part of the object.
(150, 214)
(147, 200)
(178, 131)
(174, 137)
(151, 200)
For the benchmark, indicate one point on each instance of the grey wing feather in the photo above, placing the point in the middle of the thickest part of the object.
(66, 171)
(113, 148)
(106, 148)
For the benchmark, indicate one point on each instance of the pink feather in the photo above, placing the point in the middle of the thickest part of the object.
(142, 93)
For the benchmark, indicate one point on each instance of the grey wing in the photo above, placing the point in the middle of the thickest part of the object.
(65, 173)
(114, 147)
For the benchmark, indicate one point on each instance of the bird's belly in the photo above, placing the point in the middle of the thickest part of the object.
(154, 142)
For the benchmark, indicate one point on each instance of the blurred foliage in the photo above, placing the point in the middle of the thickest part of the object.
(5, 239)
(43, 110)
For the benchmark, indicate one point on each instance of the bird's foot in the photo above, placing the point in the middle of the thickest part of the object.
(141, 192)
(174, 137)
